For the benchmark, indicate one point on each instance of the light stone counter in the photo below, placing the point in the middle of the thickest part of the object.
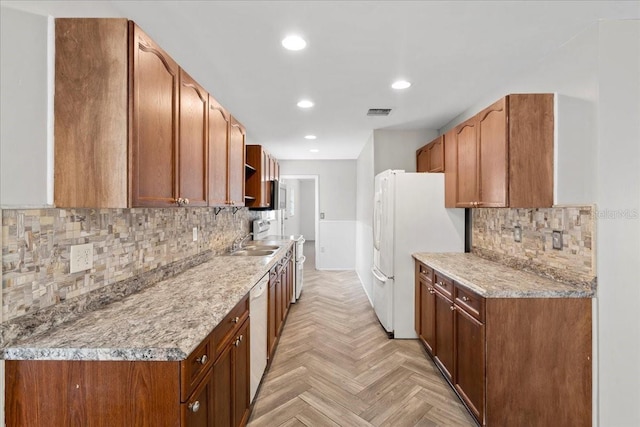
(166, 321)
(493, 280)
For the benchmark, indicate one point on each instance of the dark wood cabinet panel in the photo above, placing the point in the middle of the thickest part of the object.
(422, 159)
(91, 113)
(193, 155)
(428, 317)
(101, 393)
(469, 375)
(257, 184)
(154, 130)
(430, 158)
(467, 192)
(198, 410)
(218, 153)
(241, 372)
(223, 378)
(272, 316)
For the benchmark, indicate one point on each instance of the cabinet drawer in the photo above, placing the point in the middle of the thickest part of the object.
(223, 332)
(444, 284)
(470, 302)
(194, 366)
(426, 272)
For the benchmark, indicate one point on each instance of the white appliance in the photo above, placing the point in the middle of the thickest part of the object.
(258, 342)
(261, 231)
(409, 216)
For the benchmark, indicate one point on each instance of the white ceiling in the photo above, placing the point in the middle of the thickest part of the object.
(453, 52)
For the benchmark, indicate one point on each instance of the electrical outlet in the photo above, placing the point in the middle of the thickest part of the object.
(321, 215)
(557, 239)
(517, 233)
(81, 257)
(195, 234)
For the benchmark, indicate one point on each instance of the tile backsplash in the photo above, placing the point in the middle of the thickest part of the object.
(493, 237)
(126, 242)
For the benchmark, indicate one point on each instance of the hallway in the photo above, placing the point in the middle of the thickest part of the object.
(334, 366)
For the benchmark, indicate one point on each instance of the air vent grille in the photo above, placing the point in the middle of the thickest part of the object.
(378, 111)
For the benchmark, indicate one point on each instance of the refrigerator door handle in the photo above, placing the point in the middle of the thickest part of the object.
(379, 275)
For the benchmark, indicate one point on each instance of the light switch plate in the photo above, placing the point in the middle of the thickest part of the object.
(81, 257)
(517, 233)
(321, 215)
(557, 239)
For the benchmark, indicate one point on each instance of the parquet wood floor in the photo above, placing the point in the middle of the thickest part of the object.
(334, 366)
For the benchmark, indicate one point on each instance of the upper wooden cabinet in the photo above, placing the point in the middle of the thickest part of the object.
(450, 169)
(133, 129)
(430, 158)
(237, 139)
(261, 170)
(504, 154)
(226, 157)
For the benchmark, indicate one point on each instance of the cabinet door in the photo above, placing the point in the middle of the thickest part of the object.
(422, 159)
(436, 155)
(154, 127)
(218, 153)
(236, 163)
(241, 375)
(467, 153)
(198, 410)
(470, 362)
(493, 158)
(271, 327)
(223, 387)
(428, 316)
(192, 154)
(444, 334)
(450, 169)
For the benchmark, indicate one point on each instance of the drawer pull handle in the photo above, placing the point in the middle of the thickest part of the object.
(452, 308)
(194, 406)
(235, 319)
(202, 359)
(431, 291)
(466, 299)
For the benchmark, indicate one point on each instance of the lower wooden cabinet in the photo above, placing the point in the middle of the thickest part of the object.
(279, 298)
(209, 388)
(512, 361)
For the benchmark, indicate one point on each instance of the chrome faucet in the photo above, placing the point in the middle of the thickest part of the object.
(239, 243)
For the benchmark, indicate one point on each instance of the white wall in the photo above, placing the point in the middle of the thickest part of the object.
(307, 198)
(364, 226)
(618, 244)
(26, 105)
(292, 222)
(396, 149)
(335, 242)
(597, 78)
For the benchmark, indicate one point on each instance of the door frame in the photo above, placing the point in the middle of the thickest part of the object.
(316, 213)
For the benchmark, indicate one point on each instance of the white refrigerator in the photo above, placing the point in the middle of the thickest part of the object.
(408, 216)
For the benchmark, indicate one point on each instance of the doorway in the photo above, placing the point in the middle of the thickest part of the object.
(301, 207)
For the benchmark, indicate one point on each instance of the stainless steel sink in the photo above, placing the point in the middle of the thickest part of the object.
(253, 252)
(258, 246)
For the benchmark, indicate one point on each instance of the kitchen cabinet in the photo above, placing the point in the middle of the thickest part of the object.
(425, 309)
(210, 387)
(512, 361)
(226, 157)
(133, 129)
(279, 298)
(450, 169)
(504, 154)
(430, 158)
(260, 172)
(193, 141)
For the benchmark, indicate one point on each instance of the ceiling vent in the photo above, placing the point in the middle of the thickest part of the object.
(378, 111)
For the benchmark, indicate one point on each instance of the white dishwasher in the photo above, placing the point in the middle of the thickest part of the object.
(258, 342)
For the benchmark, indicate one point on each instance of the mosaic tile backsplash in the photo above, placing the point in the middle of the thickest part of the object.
(493, 238)
(126, 243)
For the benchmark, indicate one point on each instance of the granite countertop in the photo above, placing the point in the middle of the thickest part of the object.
(493, 280)
(164, 322)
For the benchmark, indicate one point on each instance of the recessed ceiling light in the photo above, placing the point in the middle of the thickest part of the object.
(314, 150)
(305, 103)
(310, 137)
(401, 84)
(294, 42)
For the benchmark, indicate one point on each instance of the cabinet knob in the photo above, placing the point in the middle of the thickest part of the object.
(431, 290)
(202, 359)
(465, 299)
(186, 201)
(179, 201)
(236, 343)
(452, 308)
(194, 406)
(235, 319)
